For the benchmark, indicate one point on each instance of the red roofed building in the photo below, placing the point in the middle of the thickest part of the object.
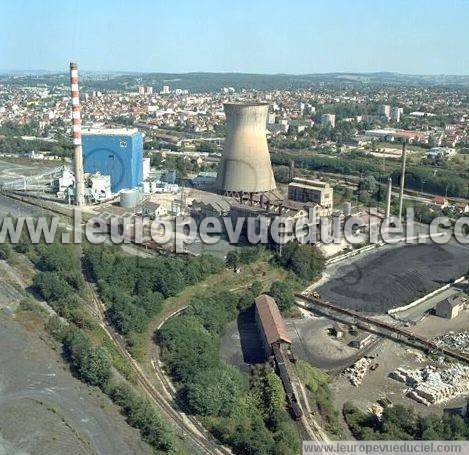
(440, 202)
(270, 323)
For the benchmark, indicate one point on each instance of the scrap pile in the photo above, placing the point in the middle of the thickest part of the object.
(431, 386)
(452, 340)
(357, 371)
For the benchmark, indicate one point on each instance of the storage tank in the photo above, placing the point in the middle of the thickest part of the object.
(129, 198)
(245, 164)
(141, 193)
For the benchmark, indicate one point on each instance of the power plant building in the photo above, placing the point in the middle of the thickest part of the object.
(245, 165)
(117, 153)
(305, 190)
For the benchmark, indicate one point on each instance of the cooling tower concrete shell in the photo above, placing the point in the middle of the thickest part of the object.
(245, 165)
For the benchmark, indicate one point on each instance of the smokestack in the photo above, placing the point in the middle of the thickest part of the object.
(76, 133)
(401, 191)
(291, 170)
(245, 165)
(388, 198)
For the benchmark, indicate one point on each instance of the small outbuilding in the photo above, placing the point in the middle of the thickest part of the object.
(450, 308)
(153, 210)
(336, 330)
(362, 341)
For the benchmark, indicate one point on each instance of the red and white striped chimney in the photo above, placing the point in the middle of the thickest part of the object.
(76, 133)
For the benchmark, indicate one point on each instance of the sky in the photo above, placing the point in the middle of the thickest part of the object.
(255, 36)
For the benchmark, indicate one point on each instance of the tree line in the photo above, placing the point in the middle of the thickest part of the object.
(250, 416)
(133, 288)
(400, 423)
(60, 282)
(440, 182)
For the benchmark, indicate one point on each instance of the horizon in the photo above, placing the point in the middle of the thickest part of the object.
(247, 37)
(6, 71)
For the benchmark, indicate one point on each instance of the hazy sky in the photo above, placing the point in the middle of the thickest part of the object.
(286, 36)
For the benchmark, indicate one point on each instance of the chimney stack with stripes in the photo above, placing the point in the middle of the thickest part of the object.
(76, 132)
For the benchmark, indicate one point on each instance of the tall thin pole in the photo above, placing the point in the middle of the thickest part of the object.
(388, 198)
(401, 192)
(76, 133)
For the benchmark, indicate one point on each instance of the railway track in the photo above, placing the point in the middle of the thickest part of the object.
(385, 328)
(191, 429)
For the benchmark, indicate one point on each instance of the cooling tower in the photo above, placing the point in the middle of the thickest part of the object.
(245, 165)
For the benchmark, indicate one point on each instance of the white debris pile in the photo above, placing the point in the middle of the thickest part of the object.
(376, 409)
(452, 340)
(431, 386)
(357, 371)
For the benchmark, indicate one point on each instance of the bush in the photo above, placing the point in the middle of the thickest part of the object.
(57, 328)
(232, 260)
(5, 251)
(306, 261)
(283, 294)
(215, 391)
(312, 377)
(91, 363)
(318, 383)
(399, 422)
(142, 415)
(51, 286)
(134, 288)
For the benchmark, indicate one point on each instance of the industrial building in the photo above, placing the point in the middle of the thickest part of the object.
(97, 187)
(270, 323)
(304, 190)
(117, 153)
(245, 165)
(398, 135)
(450, 307)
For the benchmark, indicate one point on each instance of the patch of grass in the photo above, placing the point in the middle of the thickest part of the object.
(312, 377)
(317, 382)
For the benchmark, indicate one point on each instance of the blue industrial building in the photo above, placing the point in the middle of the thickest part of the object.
(118, 153)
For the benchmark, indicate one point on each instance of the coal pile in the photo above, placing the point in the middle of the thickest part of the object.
(395, 277)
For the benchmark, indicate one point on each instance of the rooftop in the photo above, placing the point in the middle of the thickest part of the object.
(272, 322)
(111, 131)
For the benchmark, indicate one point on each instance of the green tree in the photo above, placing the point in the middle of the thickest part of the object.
(5, 251)
(90, 362)
(282, 292)
(214, 392)
(232, 260)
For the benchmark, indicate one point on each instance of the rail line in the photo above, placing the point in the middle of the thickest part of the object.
(67, 212)
(191, 428)
(392, 330)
